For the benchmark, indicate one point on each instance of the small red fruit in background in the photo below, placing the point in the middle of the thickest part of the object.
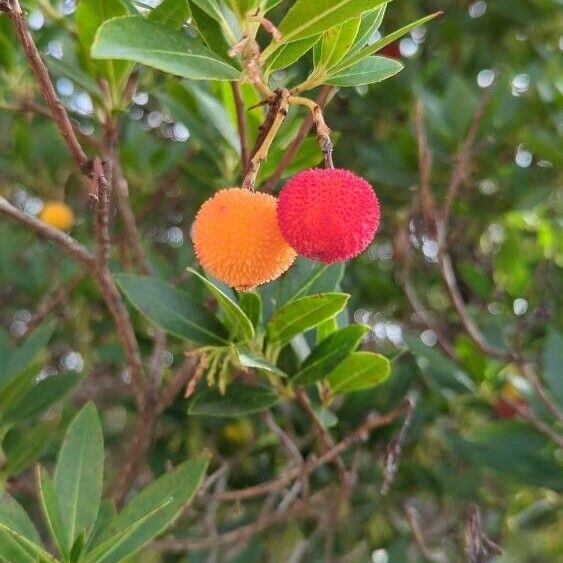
(510, 398)
(392, 50)
(328, 214)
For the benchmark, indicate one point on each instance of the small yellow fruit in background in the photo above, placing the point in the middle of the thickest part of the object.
(237, 238)
(57, 214)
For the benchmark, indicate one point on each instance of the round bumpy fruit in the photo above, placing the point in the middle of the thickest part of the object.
(237, 238)
(58, 215)
(328, 215)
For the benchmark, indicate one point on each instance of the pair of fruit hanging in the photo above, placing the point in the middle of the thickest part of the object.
(246, 238)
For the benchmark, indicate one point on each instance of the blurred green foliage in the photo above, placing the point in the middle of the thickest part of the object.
(179, 143)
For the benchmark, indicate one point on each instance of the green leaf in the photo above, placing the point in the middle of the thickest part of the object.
(360, 370)
(368, 26)
(249, 360)
(383, 42)
(51, 509)
(106, 516)
(336, 42)
(22, 448)
(290, 53)
(210, 30)
(303, 314)
(239, 399)
(150, 512)
(439, 371)
(135, 39)
(305, 277)
(368, 71)
(553, 364)
(26, 354)
(251, 304)
(13, 392)
(40, 555)
(306, 18)
(90, 15)
(240, 325)
(79, 474)
(75, 73)
(172, 310)
(326, 328)
(41, 397)
(171, 13)
(15, 517)
(329, 354)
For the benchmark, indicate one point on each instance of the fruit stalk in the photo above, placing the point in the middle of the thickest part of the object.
(281, 105)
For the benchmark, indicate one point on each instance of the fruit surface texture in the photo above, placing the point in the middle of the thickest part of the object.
(237, 238)
(329, 215)
(57, 214)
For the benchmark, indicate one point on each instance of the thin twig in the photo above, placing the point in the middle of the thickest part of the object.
(463, 156)
(15, 12)
(69, 245)
(425, 167)
(322, 433)
(430, 554)
(299, 510)
(479, 547)
(394, 448)
(323, 130)
(276, 115)
(311, 465)
(242, 126)
(289, 154)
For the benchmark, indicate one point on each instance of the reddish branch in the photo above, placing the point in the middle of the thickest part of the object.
(15, 12)
(289, 154)
(311, 465)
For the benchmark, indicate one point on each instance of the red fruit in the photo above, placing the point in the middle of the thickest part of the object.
(392, 50)
(328, 215)
(510, 398)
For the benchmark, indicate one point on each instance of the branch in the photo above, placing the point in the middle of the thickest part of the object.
(289, 154)
(321, 432)
(479, 547)
(14, 11)
(463, 156)
(372, 423)
(244, 533)
(279, 108)
(430, 554)
(323, 130)
(69, 245)
(394, 449)
(242, 126)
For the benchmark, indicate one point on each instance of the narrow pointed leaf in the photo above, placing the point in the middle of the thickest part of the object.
(171, 13)
(360, 370)
(136, 39)
(39, 554)
(172, 310)
(303, 314)
(51, 509)
(368, 71)
(79, 474)
(239, 399)
(251, 304)
(336, 42)
(306, 18)
(328, 354)
(249, 360)
(383, 42)
(288, 54)
(240, 325)
(371, 21)
(150, 512)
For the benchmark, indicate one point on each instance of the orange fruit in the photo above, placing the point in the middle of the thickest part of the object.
(237, 238)
(57, 214)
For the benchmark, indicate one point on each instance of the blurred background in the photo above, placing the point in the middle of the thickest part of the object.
(492, 65)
